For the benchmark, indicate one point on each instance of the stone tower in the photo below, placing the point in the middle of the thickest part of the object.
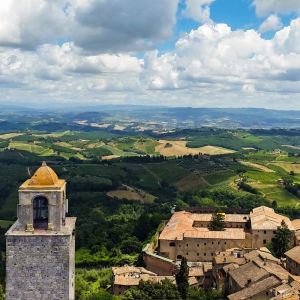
(40, 245)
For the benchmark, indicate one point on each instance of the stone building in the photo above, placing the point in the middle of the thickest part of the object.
(40, 245)
(187, 234)
(293, 260)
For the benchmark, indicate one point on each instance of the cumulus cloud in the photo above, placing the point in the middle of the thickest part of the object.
(122, 25)
(107, 25)
(198, 10)
(272, 23)
(216, 60)
(25, 27)
(266, 7)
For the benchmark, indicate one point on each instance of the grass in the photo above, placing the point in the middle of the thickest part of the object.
(11, 135)
(5, 223)
(33, 148)
(288, 166)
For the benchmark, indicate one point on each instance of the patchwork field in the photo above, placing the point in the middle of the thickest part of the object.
(179, 148)
(133, 194)
(288, 166)
(256, 166)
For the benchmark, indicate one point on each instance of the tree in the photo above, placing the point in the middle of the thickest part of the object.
(147, 290)
(217, 222)
(282, 240)
(182, 279)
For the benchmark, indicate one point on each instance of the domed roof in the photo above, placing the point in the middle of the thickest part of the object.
(44, 175)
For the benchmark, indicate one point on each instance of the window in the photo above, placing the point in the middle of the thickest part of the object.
(225, 243)
(218, 243)
(172, 244)
(197, 254)
(274, 232)
(40, 212)
(265, 231)
(264, 242)
(212, 243)
(179, 256)
(212, 254)
(187, 245)
(197, 245)
(187, 253)
(204, 254)
(204, 244)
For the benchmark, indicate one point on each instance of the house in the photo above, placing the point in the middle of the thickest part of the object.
(293, 260)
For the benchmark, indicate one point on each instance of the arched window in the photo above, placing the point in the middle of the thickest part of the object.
(179, 256)
(40, 212)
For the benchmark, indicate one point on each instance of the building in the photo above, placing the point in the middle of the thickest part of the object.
(296, 225)
(293, 260)
(187, 234)
(261, 277)
(40, 245)
(264, 223)
(130, 276)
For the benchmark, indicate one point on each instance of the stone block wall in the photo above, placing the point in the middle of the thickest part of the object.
(40, 267)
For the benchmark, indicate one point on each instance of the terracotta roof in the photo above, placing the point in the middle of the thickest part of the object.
(294, 254)
(181, 225)
(255, 288)
(262, 253)
(131, 269)
(131, 276)
(44, 177)
(296, 224)
(264, 218)
(249, 272)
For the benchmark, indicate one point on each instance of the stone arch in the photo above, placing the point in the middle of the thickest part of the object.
(40, 212)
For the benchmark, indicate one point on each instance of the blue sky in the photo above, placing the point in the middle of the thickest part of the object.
(202, 53)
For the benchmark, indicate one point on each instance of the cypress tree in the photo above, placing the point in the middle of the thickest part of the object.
(283, 240)
(182, 279)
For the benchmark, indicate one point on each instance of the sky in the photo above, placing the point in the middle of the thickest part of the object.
(198, 53)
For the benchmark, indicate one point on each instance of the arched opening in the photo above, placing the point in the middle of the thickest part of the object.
(40, 212)
(179, 256)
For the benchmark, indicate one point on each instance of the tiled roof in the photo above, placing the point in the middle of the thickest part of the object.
(294, 254)
(247, 273)
(264, 218)
(296, 224)
(181, 225)
(131, 276)
(255, 288)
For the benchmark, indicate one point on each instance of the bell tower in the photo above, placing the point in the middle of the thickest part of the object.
(40, 245)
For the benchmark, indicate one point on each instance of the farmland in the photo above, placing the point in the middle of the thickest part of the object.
(121, 186)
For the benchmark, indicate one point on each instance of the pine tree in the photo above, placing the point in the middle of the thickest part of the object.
(217, 222)
(182, 279)
(282, 240)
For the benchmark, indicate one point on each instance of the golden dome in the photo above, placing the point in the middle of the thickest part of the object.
(44, 175)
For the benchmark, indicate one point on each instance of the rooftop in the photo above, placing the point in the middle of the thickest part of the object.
(264, 217)
(43, 178)
(131, 276)
(181, 226)
(255, 288)
(294, 254)
(250, 272)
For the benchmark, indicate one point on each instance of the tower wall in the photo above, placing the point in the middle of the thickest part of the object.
(40, 267)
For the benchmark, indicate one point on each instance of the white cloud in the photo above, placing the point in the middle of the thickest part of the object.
(28, 23)
(214, 62)
(198, 10)
(272, 23)
(124, 25)
(266, 7)
(106, 25)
